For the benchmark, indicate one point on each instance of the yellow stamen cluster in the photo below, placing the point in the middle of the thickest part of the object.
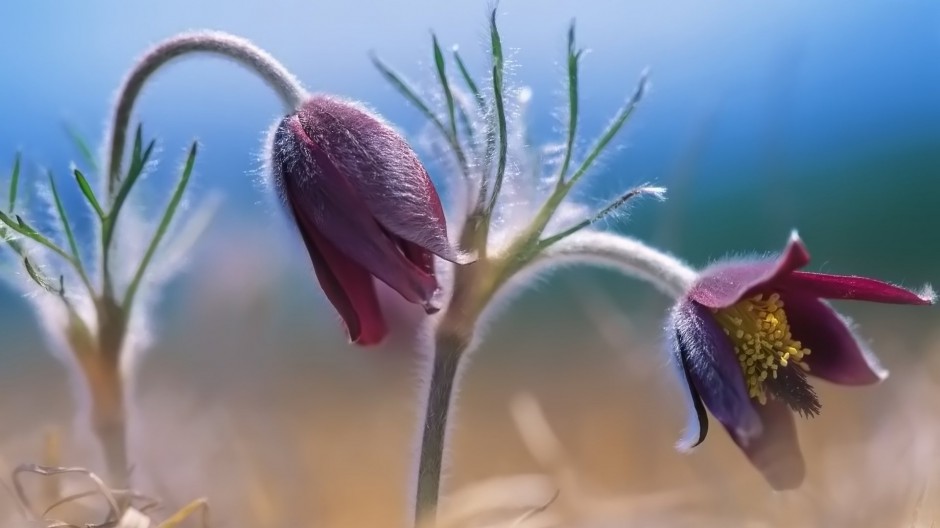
(762, 341)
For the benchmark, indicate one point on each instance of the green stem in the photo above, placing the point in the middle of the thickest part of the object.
(440, 394)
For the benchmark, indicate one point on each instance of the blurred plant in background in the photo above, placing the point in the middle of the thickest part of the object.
(102, 326)
(88, 309)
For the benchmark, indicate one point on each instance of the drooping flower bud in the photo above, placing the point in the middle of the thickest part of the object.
(365, 208)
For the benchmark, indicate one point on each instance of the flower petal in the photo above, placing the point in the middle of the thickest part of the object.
(384, 170)
(853, 288)
(424, 260)
(697, 423)
(725, 283)
(836, 353)
(776, 451)
(349, 288)
(710, 363)
(322, 198)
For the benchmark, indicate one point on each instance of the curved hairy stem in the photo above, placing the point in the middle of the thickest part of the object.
(100, 357)
(235, 48)
(627, 255)
(473, 293)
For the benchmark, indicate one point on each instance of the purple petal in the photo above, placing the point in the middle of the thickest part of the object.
(725, 283)
(383, 169)
(775, 452)
(836, 354)
(323, 199)
(349, 288)
(710, 363)
(696, 427)
(852, 288)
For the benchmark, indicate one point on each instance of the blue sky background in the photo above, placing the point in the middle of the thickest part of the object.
(763, 116)
(815, 82)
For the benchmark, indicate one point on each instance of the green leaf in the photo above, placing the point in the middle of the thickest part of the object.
(138, 162)
(164, 224)
(26, 230)
(405, 89)
(445, 85)
(63, 217)
(497, 48)
(573, 56)
(658, 192)
(89, 193)
(14, 182)
(465, 123)
(471, 85)
(411, 95)
(87, 156)
(40, 279)
(625, 112)
(490, 146)
(138, 143)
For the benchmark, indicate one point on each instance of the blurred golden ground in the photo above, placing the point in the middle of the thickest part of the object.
(322, 436)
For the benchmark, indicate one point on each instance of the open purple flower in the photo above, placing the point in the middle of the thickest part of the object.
(365, 208)
(747, 335)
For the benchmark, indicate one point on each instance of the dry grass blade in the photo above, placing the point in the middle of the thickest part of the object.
(45, 471)
(198, 505)
(150, 503)
(517, 493)
(51, 457)
(536, 433)
(535, 511)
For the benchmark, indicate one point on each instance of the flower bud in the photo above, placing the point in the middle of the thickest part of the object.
(365, 208)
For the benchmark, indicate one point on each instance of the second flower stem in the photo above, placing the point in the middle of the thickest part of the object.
(446, 360)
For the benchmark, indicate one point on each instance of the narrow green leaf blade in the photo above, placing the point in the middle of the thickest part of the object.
(14, 181)
(622, 116)
(38, 277)
(497, 51)
(138, 143)
(88, 193)
(20, 226)
(86, 153)
(409, 93)
(445, 85)
(133, 174)
(162, 227)
(573, 57)
(471, 85)
(63, 217)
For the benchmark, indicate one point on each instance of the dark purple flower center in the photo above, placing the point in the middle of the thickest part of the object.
(771, 359)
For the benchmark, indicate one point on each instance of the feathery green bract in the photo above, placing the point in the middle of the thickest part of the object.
(88, 193)
(82, 147)
(445, 85)
(625, 112)
(489, 147)
(171, 208)
(573, 57)
(411, 95)
(138, 163)
(14, 182)
(63, 217)
(497, 49)
(471, 85)
(41, 280)
(21, 227)
(598, 216)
